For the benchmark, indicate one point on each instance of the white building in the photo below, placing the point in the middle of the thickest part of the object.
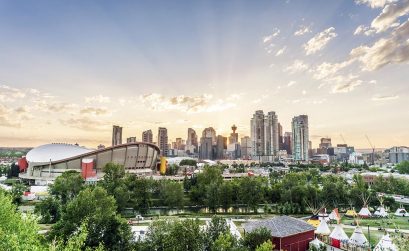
(300, 138)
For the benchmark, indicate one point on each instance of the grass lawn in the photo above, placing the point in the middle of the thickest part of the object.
(395, 222)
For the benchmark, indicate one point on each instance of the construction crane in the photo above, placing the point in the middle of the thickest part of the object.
(342, 137)
(373, 150)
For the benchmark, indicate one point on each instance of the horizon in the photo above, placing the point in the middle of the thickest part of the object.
(69, 71)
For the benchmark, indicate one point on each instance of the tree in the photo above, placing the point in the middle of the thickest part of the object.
(226, 195)
(140, 190)
(225, 242)
(171, 194)
(266, 246)
(175, 235)
(251, 192)
(103, 224)
(217, 226)
(14, 170)
(17, 191)
(17, 233)
(49, 209)
(188, 162)
(403, 167)
(114, 184)
(256, 237)
(67, 186)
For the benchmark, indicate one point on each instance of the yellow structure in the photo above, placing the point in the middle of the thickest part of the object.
(163, 164)
(351, 213)
(313, 222)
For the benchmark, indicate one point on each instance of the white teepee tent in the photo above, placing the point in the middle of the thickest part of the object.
(381, 212)
(334, 215)
(323, 228)
(385, 244)
(338, 236)
(358, 238)
(401, 211)
(364, 212)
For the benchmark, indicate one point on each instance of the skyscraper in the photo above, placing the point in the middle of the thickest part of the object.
(163, 141)
(245, 144)
(221, 146)
(208, 142)
(147, 136)
(234, 136)
(280, 137)
(271, 147)
(191, 142)
(300, 138)
(288, 142)
(131, 140)
(257, 133)
(116, 135)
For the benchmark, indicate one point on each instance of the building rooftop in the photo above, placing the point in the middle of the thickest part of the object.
(280, 226)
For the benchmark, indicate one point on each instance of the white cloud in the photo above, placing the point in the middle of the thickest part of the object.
(319, 41)
(326, 69)
(85, 123)
(362, 29)
(394, 49)
(95, 111)
(374, 3)
(348, 86)
(10, 94)
(281, 51)
(97, 99)
(304, 92)
(296, 66)
(390, 14)
(270, 37)
(384, 97)
(302, 29)
(291, 83)
(194, 104)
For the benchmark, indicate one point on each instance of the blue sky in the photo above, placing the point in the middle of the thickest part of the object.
(71, 69)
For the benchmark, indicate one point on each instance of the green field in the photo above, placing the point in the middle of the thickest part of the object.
(393, 223)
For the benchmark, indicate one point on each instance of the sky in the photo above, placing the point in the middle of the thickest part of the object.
(69, 70)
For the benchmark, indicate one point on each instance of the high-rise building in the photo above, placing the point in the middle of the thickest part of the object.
(271, 134)
(398, 154)
(234, 136)
(179, 144)
(288, 142)
(300, 138)
(191, 142)
(116, 135)
(163, 141)
(280, 137)
(147, 136)
(221, 146)
(245, 144)
(325, 143)
(131, 140)
(257, 133)
(208, 142)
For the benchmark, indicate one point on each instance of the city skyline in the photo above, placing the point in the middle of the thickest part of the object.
(70, 72)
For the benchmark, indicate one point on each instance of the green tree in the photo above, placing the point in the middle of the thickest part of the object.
(114, 183)
(49, 209)
(256, 237)
(17, 233)
(17, 191)
(226, 195)
(140, 190)
(403, 167)
(225, 242)
(14, 170)
(188, 162)
(266, 246)
(67, 186)
(103, 224)
(171, 193)
(216, 227)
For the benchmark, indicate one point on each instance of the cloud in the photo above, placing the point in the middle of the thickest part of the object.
(291, 83)
(10, 94)
(394, 49)
(85, 123)
(302, 29)
(390, 14)
(374, 3)
(46, 106)
(384, 97)
(6, 117)
(296, 66)
(319, 41)
(344, 84)
(94, 111)
(270, 37)
(195, 104)
(281, 51)
(325, 70)
(362, 29)
(97, 99)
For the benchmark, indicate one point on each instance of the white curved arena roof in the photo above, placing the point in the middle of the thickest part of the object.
(55, 152)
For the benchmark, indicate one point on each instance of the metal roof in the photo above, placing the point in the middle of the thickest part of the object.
(280, 226)
(55, 152)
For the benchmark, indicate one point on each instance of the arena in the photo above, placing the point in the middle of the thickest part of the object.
(43, 164)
